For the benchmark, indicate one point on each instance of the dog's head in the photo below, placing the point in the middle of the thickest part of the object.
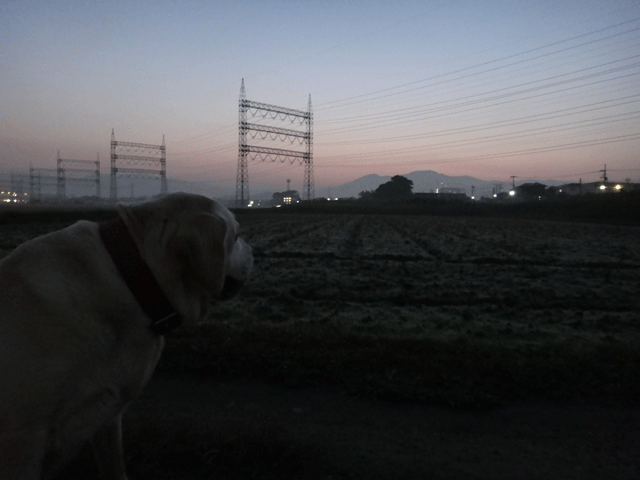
(191, 245)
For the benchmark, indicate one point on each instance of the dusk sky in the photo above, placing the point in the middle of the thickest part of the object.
(491, 89)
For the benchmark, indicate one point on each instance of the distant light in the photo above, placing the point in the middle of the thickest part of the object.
(473, 198)
(602, 187)
(328, 199)
(335, 199)
(278, 206)
(618, 187)
(495, 195)
(512, 193)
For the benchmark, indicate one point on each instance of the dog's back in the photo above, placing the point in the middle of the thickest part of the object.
(62, 350)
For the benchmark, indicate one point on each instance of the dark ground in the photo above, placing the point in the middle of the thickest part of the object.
(402, 347)
(322, 433)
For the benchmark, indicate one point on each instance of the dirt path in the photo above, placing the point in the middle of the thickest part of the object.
(369, 439)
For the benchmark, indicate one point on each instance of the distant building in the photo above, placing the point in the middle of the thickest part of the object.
(288, 197)
(451, 190)
(440, 197)
(574, 189)
(15, 196)
(442, 193)
(12, 190)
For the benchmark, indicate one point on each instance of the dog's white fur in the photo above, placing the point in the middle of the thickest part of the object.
(76, 347)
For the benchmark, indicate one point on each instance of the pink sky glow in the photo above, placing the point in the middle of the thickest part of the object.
(541, 90)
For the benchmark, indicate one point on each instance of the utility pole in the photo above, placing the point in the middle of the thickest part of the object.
(512, 193)
(604, 173)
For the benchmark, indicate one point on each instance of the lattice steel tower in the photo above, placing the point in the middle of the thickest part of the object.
(246, 151)
(87, 174)
(38, 177)
(140, 160)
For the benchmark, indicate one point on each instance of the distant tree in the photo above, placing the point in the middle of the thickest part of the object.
(366, 195)
(399, 188)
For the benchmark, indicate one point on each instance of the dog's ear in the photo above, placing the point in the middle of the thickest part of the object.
(200, 244)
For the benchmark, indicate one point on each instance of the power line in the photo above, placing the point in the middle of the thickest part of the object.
(325, 104)
(500, 123)
(482, 98)
(532, 93)
(471, 158)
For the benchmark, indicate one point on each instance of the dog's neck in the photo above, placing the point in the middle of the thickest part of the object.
(138, 277)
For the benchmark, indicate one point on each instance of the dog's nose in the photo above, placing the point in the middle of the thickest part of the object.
(231, 288)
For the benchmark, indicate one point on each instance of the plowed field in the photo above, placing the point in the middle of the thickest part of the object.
(513, 281)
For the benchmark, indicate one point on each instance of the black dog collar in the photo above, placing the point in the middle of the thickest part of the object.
(138, 277)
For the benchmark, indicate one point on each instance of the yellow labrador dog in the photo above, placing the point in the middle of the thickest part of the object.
(83, 312)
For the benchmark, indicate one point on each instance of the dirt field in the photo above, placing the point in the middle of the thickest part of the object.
(403, 347)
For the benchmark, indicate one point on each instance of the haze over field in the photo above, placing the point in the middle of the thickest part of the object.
(543, 90)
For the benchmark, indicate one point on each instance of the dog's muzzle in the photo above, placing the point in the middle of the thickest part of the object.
(240, 263)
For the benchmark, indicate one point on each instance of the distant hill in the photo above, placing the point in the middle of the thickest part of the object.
(427, 181)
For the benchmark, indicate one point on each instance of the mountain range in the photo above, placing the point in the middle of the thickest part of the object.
(427, 181)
